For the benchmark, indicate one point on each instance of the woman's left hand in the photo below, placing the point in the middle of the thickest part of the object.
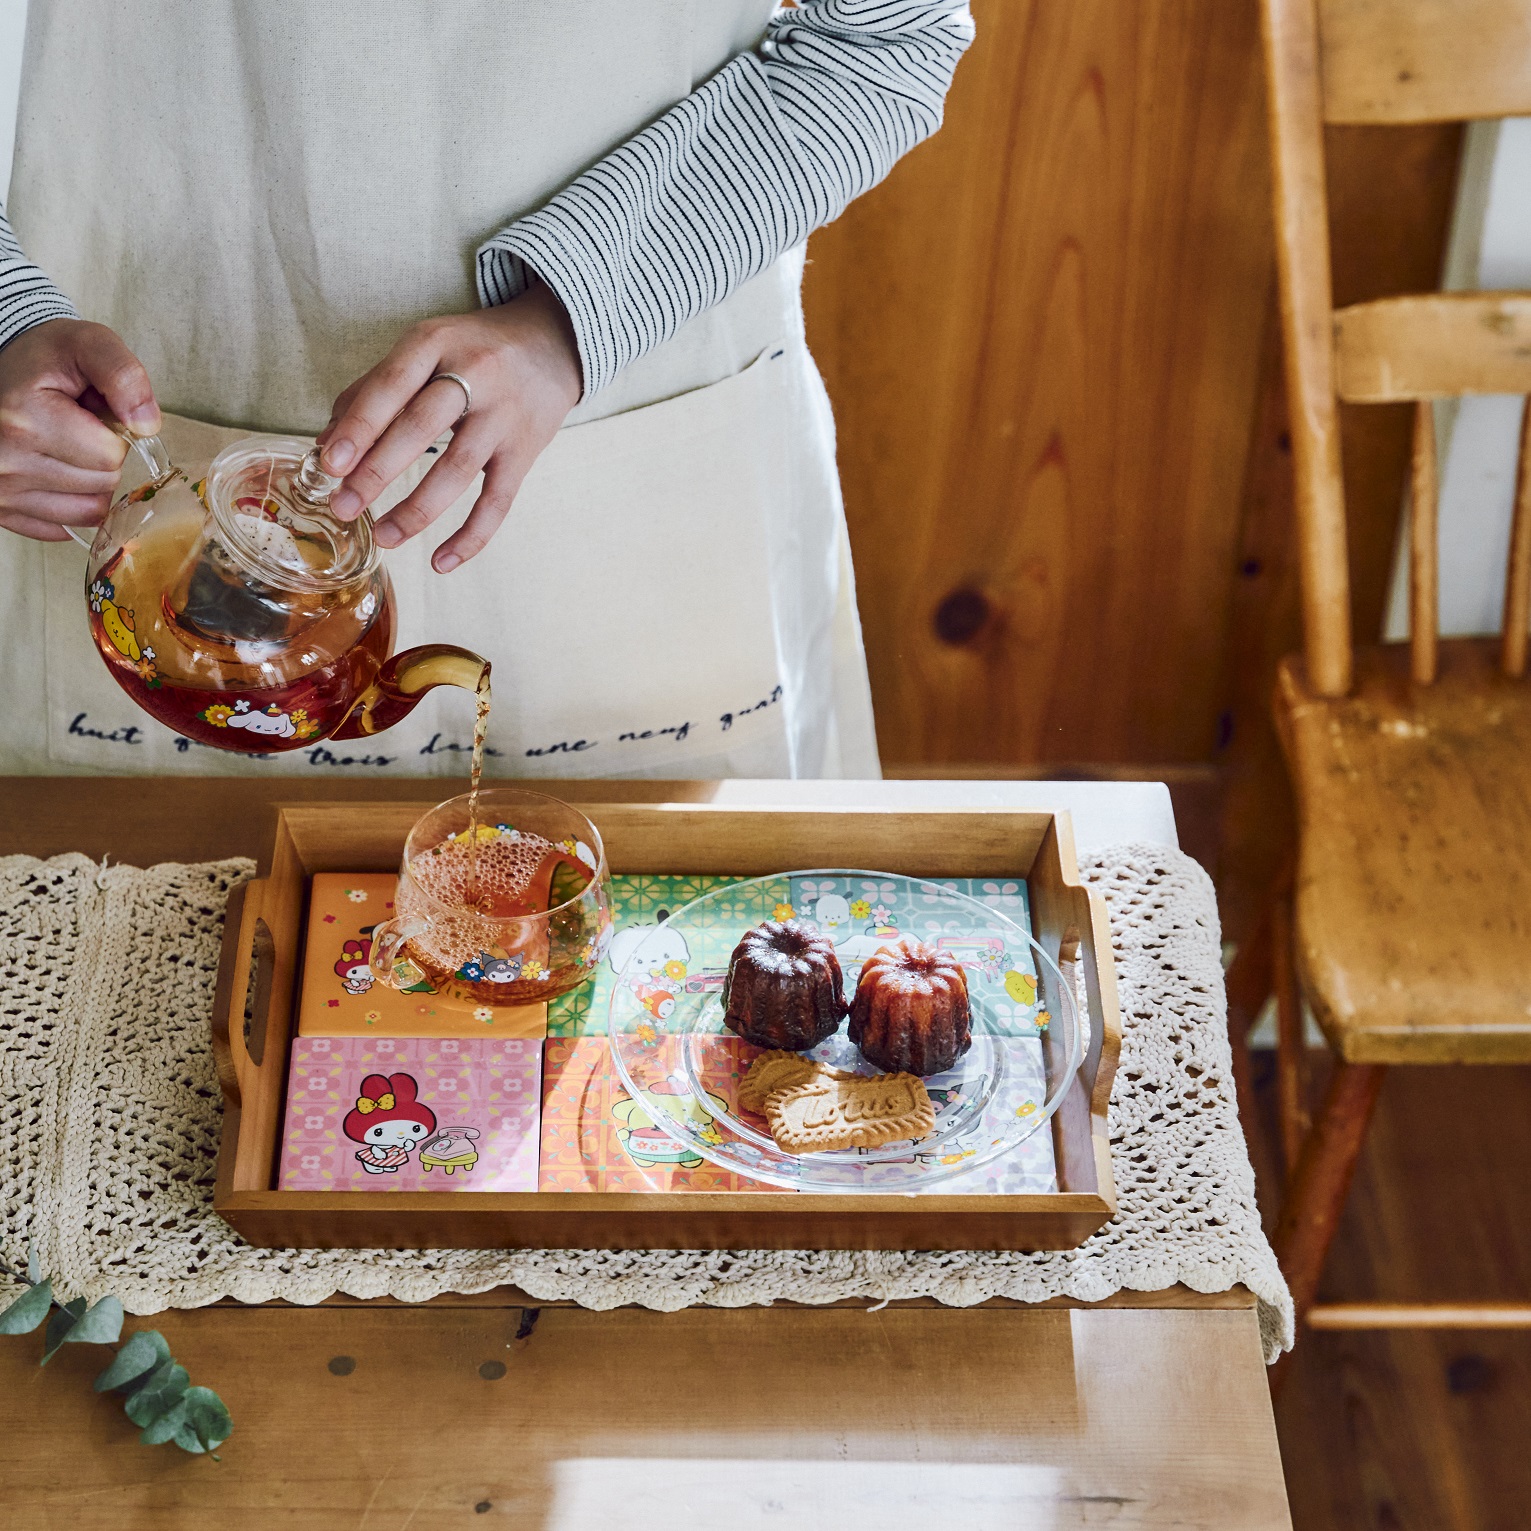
(522, 364)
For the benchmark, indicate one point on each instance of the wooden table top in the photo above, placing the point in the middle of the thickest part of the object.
(1152, 1409)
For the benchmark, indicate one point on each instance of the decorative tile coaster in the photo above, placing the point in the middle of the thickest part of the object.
(596, 1137)
(1029, 1167)
(638, 904)
(412, 1114)
(860, 914)
(340, 997)
(857, 914)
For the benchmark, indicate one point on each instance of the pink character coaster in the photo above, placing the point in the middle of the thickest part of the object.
(412, 1114)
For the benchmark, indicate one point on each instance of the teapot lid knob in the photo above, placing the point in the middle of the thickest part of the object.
(311, 484)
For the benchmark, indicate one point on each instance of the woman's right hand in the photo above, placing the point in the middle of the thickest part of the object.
(59, 464)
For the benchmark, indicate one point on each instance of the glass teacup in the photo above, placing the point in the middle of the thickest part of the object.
(512, 909)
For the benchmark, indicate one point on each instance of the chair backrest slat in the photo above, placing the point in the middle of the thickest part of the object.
(1290, 31)
(1434, 346)
(1387, 61)
(1517, 586)
(1424, 548)
(1425, 61)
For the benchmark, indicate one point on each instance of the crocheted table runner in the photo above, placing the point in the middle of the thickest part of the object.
(110, 1114)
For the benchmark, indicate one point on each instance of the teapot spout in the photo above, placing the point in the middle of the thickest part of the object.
(404, 679)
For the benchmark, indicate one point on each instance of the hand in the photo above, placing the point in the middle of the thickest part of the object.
(59, 464)
(522, 364)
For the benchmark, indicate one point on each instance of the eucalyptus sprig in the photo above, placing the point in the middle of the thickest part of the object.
(157, 1395)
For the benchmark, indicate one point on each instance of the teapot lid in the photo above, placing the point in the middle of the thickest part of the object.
(269, 500)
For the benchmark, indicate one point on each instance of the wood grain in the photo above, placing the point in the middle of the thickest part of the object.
(1320, 1179)
(1041, 337)
(1424, 550)
(1517, 579)
(1420, 1431)
(1433, 346)
(1291, 51)
(670, 837)
(1390, 196)
(1420, 1315)
(468, 1417)
(1414, 869)
(1425, 60)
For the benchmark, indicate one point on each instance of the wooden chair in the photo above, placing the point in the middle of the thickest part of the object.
(1409, 923)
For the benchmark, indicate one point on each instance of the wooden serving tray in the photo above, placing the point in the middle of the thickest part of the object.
(255, 1018)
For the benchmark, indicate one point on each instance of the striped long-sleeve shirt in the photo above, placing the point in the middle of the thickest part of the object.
(672, 221)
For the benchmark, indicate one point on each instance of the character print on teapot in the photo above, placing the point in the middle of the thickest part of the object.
(273, 722)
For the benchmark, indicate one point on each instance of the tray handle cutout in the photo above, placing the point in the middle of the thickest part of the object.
(242, 1003)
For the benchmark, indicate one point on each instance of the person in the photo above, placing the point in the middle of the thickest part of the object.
(530, 274)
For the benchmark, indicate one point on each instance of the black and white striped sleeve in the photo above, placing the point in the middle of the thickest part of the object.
(27, 297)
(770, 148)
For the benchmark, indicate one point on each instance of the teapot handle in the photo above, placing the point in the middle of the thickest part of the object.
(155, 458)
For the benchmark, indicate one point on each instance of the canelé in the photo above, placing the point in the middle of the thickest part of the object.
(910, 1012)
(784, 987)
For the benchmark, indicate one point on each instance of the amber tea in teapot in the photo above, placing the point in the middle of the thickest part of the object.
(241, 613)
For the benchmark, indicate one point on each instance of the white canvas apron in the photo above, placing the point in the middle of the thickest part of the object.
(260, 200)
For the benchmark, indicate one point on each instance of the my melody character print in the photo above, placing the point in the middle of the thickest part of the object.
(354, 969)
(388, 1121)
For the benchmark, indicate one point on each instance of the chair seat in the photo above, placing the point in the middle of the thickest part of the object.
(1413, 917)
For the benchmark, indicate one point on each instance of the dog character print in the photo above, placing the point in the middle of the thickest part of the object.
(388, 1121)
(659, 974)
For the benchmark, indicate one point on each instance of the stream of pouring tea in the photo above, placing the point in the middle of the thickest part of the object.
(475, 776)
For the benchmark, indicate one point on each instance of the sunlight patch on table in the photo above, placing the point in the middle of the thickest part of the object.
(661, 1493)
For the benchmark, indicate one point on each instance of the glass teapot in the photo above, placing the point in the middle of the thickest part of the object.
(239, 611)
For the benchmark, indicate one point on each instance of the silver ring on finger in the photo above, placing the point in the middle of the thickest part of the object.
(467, 392)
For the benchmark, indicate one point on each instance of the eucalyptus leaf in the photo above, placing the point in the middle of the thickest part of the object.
(140, 1354)
(207, 1425)
(167, 1426)
(29, 1310)
(100, 1324)
(64, 1319)
(158, 1393)
(34, 1267)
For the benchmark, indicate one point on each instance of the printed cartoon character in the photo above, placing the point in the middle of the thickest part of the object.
(117, 624)
(273, 723)
(832, 914)
(1021, 987)
(501, 969)
(453, 1148)
(647, 1143)
(659, 1002)
(657, 973)
(579, 851)
(388, 1121)
(354, 969)
(665, 953)
(486, 968)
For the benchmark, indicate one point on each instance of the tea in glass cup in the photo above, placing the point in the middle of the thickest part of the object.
(502, 901)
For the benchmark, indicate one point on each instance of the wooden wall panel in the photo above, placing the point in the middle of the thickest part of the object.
(1042, 337)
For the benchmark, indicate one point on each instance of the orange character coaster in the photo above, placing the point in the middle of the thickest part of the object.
(341, 998)
(596, 1137)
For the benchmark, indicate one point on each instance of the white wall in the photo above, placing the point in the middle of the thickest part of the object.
(1490, 248)
(13, 20)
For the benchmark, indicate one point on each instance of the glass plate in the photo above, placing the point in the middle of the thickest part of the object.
(672, 1051)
